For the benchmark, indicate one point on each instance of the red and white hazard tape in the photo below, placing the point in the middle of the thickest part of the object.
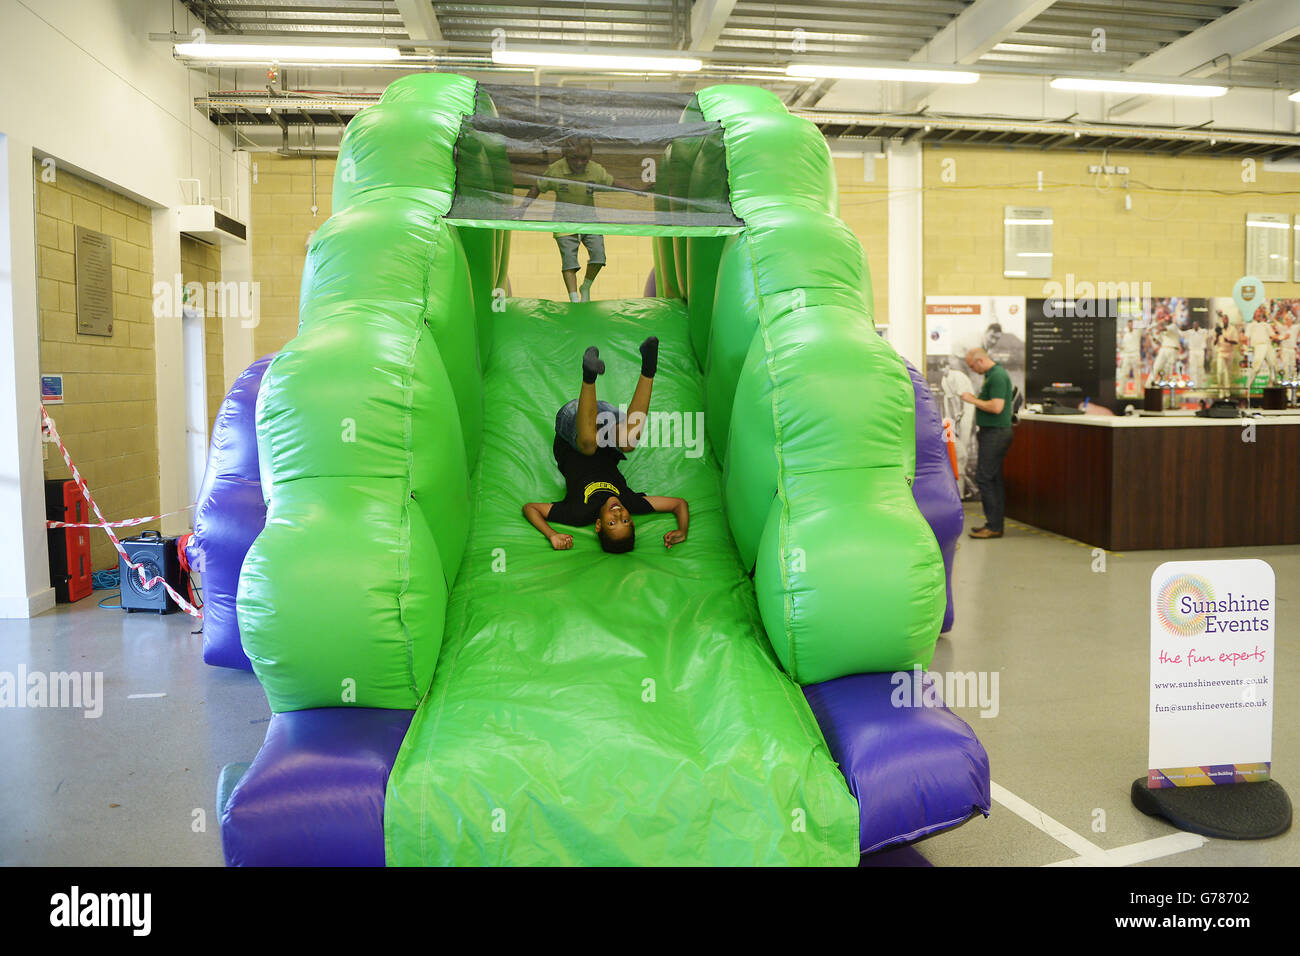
(128, 523)
(108, 526)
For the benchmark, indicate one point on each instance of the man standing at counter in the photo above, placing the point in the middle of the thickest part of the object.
(993, 417)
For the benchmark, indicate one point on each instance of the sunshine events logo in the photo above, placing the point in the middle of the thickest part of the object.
(1186, 606)
(1183, 602)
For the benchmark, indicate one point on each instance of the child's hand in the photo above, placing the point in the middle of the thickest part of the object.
(674, 537)
(561, 542)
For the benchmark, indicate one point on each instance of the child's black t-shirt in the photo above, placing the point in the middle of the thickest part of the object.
(590, 480)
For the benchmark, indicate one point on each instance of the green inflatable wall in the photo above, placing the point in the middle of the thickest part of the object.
(371, 421)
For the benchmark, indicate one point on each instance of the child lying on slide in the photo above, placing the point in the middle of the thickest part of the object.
(588, 457)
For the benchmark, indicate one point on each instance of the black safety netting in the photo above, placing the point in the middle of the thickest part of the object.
(564, 159)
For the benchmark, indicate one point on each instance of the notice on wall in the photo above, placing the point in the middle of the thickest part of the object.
(1212, 627)
(1027, 242)
(1268, 245)
(51, 389)
(94, 272)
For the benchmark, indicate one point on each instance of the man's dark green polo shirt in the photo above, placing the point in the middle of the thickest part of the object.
(997, 384)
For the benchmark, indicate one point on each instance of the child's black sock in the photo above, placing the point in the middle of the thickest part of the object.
(592, 365)
(650, 356)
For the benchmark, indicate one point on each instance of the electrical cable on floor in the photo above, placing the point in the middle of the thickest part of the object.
(112, 607)
(105, 580)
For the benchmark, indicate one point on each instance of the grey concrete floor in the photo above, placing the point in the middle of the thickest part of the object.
(137, 785)
(1070, 645)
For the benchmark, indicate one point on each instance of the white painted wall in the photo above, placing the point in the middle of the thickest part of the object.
(237, 266)
(81, 82)
(24, 561)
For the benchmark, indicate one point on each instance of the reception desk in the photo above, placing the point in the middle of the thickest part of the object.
(1170, 481)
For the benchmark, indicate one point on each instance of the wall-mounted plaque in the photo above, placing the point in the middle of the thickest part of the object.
(94, 265)
(1027, 242)
(1268, 245)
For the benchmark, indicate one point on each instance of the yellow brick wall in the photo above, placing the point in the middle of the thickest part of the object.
(281, 221)
(1186, 232)
(201, 263)
(110, 417)
(864, 207)
(535, 267)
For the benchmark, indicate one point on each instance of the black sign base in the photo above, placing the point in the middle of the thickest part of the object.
(1232, 811)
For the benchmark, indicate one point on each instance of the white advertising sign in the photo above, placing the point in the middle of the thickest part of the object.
(1212, 627)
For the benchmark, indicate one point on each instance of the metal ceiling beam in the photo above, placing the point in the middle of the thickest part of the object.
(976, 31)
(708, 17)
(979, 28)
(242, 11)
(421, 22)
(1253, 27)
(209, 14)
(288, 111)
(1083, 134)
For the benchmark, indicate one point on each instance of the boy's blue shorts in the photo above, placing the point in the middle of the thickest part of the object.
(566, 420)
(569, 250)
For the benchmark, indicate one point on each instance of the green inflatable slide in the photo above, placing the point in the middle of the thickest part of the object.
(579, 707)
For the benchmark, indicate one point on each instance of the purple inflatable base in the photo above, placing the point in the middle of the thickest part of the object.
(915, 770)
(314, 796)
(229, 515)
(934, 488)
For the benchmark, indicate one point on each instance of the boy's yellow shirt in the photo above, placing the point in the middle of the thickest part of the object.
(573, 192)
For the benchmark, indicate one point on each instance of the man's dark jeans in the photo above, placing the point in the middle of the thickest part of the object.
(993, 445)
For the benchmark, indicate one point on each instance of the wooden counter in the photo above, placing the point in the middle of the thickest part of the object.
(1145, 483)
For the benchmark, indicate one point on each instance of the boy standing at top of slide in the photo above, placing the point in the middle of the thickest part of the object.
(574, 180)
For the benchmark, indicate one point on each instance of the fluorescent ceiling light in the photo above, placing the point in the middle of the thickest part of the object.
(1091, 85)
(903, 74)
(1294, 97)
(267, 52)
(597, 61)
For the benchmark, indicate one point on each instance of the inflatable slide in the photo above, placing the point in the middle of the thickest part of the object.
(446, 688)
